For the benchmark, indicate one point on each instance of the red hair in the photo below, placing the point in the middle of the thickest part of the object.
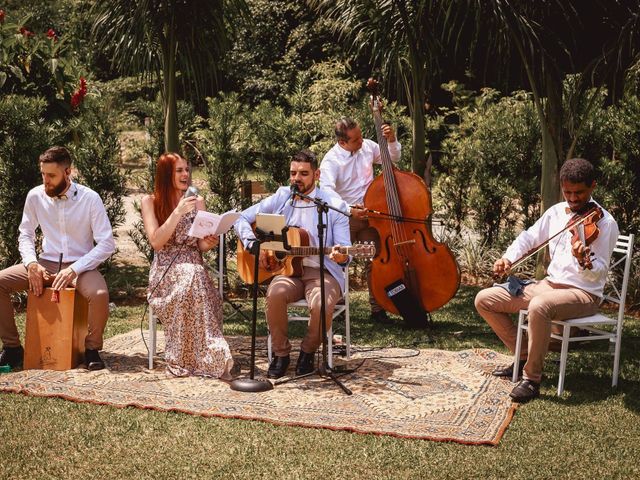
(164, 194)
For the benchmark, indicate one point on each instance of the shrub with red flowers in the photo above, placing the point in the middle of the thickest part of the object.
(1, 16)
(39, 63)
(25, 32)
(79, 94)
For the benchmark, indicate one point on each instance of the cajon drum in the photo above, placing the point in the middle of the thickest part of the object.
(55, 332)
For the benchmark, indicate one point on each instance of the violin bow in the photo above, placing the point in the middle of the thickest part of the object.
(546, 242)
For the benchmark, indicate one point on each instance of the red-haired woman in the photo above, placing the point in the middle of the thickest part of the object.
(182, 293)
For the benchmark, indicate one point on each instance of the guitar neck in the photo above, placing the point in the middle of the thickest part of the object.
(308, 251)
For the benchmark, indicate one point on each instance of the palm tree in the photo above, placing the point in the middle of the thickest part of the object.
(516, 43)
(547, 40)
(404, 38)
(163, 37)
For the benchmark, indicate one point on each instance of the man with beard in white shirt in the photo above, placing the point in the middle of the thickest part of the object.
(74, 223)
(574, 283)
(301, 212)
(347, 169)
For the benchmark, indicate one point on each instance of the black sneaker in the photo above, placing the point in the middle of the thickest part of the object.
(278, 367)
(12, 356)
(92, 360)
(305, 363)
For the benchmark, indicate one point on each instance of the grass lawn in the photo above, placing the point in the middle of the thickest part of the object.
(593, 431)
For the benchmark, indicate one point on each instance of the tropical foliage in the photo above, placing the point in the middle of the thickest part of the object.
(164, 37)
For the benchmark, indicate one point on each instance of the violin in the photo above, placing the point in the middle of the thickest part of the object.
(583, 228)
(585, 232)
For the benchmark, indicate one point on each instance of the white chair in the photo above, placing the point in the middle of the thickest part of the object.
(616, 292)
(153, 321)
(341, 307)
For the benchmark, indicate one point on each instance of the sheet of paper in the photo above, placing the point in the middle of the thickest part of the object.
(271, 223)
(207, 223)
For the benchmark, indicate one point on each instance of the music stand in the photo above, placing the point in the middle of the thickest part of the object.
(323, 371)
(251, 384)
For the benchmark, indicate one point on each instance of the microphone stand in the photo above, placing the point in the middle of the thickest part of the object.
(324, 371)
(251, 384)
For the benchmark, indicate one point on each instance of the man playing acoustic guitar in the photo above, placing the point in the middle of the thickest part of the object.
(575, 276)
(304, 174)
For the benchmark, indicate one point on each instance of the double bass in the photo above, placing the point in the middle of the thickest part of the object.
(409, 258)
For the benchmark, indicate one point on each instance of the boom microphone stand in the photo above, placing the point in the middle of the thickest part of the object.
(324, 371)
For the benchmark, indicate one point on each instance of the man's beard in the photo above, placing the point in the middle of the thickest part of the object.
(305, 189)
(57, 190)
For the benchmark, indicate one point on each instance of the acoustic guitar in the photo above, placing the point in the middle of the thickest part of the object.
(289, 262)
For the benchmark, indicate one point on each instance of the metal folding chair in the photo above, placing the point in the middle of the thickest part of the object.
(615, 292)
(342, 307)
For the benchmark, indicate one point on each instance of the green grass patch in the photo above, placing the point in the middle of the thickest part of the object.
(590, 432)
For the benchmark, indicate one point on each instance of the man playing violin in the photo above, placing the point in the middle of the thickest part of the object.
(347, 169)
(282, 290)
(574, 283)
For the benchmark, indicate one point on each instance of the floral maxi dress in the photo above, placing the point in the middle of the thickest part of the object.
(187, 303)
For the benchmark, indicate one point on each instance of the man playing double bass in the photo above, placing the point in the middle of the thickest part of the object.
(347, 169)
(570, 290)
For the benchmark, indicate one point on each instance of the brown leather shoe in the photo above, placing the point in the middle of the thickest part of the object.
(525, 390)
(508, 371)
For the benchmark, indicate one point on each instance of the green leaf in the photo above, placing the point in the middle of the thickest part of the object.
(17, 73)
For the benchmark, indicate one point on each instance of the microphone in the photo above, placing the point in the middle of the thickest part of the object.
(191, 192)
(294, 190)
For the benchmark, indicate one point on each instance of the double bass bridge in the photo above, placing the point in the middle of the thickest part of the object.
(406, 242)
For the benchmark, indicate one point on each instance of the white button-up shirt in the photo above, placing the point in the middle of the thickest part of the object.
(70, 226)
(564, 268)
(350, 174)
(305, 216)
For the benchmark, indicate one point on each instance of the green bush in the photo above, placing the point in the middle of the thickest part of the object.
(38, 64)
(273, 139)
(491, 164)
(94, 144)
(221, 144)
(23, 137)
(154, 125)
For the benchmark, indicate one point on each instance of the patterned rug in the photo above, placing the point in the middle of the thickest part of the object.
(426, 394)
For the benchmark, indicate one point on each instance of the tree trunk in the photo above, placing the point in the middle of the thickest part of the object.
(171, 138)
(551, 127)
(418, 152)
(551, 143)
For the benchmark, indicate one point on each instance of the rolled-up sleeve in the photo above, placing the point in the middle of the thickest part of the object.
(27, 229)
(102, 235)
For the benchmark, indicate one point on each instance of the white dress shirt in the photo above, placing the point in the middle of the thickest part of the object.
(350, 174)
(308, 220)
(564, 268)
(70, 226)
